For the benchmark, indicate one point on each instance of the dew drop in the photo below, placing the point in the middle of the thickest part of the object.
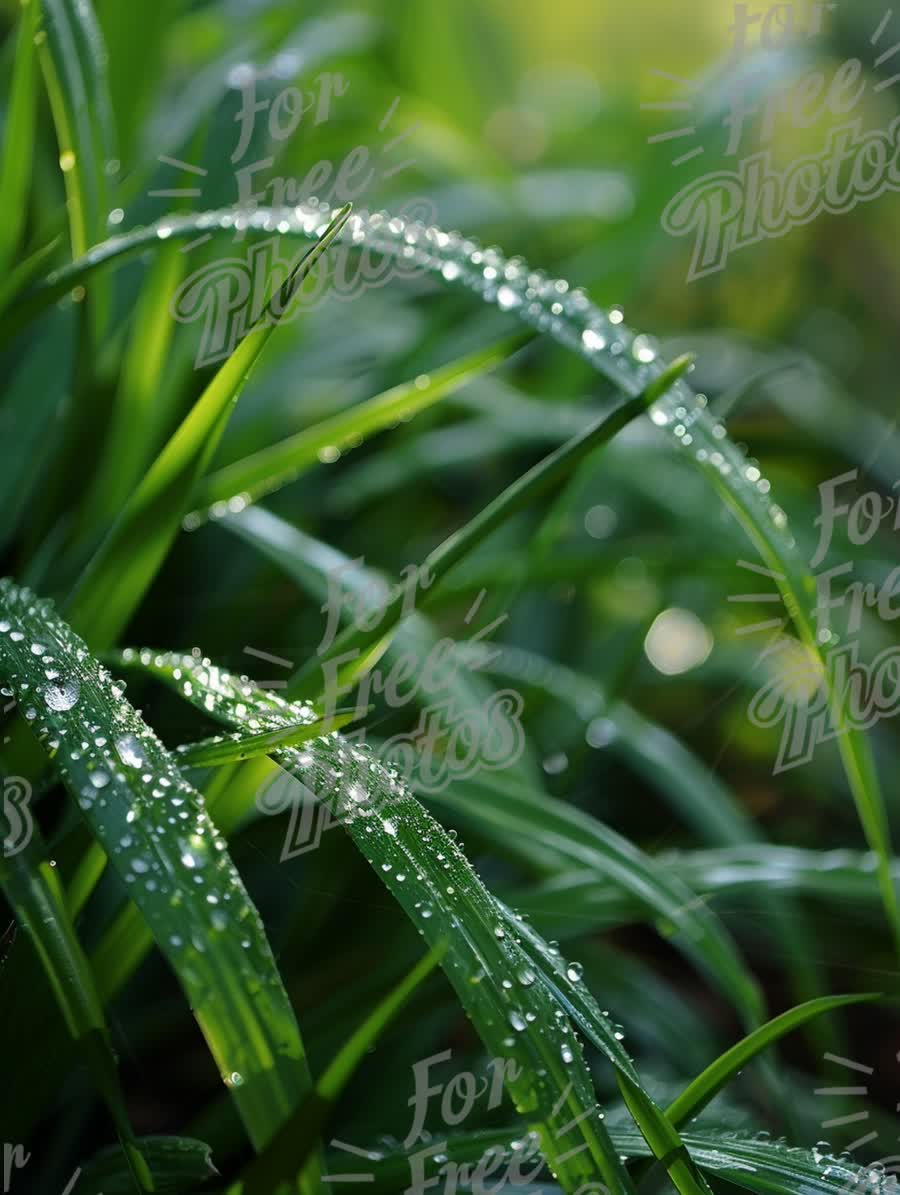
(507, 298)
(593, 340)
(130, 751)
(64, 696)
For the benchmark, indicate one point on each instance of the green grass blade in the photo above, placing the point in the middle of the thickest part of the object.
(178, 1164)
(127, 450)
(74, 64)
(573, 995)
(127, 940)
(530, 824)
(24, 273)
(127, 560)
(836, 876)
(311, 563)
(271, 468)
(707, 1085)
(216, 751)
(156, 832)
(768, 1167)
(18, 139)
(73, 60)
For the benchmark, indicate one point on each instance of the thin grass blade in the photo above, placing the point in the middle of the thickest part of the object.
(271, 468)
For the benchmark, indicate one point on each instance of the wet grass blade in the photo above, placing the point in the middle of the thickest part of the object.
(170, 858)
(127, 560)
(178, 1164)
(493, 959)
(756, 1164)
(217, 750)
(271, 468)
(768, 1167)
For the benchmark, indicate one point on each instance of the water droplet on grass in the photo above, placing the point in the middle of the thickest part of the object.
(64, 696)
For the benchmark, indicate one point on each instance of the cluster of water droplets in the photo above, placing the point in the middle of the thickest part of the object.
(760, 1152)
(773, 1163)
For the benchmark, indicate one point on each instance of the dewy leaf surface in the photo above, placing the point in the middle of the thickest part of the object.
(170, 858)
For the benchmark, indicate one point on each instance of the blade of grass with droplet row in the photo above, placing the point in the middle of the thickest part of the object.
(171, 860)
(767, 1167)
(426, 871)
(267, 470)
(127, 560)
(629, 361)
(440, 892)
(755, 1163)
(215, 751)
